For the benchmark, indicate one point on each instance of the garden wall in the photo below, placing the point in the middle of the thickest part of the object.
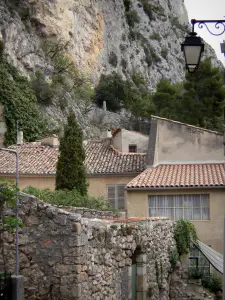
(64, 256)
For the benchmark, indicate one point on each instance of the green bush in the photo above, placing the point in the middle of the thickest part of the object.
(164, 52)
(68, 198)
(174, 258)
(195, 273)
(155, 36)
(127, 4)
(184, 234)
(113, 59)
(215, 283)
(43, 90)
(132, 17)
(148, 9)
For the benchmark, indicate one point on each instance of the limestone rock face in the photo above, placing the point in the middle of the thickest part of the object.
(99, 37)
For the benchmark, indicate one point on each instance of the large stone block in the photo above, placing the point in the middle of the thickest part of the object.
(70, 292)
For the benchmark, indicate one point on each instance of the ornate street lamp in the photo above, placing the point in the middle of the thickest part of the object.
(193, 46)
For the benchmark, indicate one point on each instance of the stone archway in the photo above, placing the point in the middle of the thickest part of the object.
(138, 275)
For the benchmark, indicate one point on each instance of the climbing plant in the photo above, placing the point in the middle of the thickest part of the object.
(20, 105)
(8, 223)
(185, 235)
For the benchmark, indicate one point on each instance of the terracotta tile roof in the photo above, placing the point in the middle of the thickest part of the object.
(104, 159)
(182, 175)
(100, 159)
(33, 159)
(188, 125)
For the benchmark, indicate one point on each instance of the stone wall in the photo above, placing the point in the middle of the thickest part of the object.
(65, 256)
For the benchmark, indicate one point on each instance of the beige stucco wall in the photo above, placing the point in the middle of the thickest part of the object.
(178, 143)
(97, 185)
(40, 182)
(124, 138)
(209, 231)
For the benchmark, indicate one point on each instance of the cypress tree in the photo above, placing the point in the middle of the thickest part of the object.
(70, 172)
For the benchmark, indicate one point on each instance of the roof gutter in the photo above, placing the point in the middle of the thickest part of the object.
(113, 174)
(173, 188)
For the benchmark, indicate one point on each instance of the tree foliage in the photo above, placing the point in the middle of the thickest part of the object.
(185, 235)
(199, 100)
(70, 172)
(20, 105)
(133, 94)
(111, 88)
(204, 97)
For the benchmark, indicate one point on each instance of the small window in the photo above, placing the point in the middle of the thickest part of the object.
(133, 148)
(116, 196)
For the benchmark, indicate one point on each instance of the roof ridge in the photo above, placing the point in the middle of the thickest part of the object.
(191, 164)
(188, 125)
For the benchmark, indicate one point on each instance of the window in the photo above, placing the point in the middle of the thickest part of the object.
(133, 148)
(116, 196)
(196, 258)
(190, 207)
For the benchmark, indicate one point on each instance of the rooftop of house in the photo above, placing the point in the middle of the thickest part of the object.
(101, 158)
(180, 176)
(185, 124)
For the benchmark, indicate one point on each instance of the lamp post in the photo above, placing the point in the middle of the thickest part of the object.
(193, 49)
(17, 211)
(193, 46)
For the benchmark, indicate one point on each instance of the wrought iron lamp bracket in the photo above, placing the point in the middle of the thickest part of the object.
(219, 25)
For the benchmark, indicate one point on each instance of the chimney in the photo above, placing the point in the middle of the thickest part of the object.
(104, 106)
(19, 138)
(108, 133)
(52, 141)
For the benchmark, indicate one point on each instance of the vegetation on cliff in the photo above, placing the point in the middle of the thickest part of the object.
(198, 100)
(20, 105)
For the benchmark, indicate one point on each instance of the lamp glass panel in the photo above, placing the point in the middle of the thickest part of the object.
(192, 55)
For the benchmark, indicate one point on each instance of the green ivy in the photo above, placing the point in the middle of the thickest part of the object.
(185, 235)
(20, 105)
(69, 198)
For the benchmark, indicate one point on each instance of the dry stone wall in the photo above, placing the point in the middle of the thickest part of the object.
(65, 256)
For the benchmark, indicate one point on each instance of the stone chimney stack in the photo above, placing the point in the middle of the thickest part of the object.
(104, 106)
(19, 138)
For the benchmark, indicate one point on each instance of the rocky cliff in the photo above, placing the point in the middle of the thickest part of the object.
(101, 36)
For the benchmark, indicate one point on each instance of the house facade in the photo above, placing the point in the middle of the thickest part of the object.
(184, 178)
(109, 170)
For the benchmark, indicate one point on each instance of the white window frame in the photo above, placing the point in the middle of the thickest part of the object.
(115, 186)
(204, 201)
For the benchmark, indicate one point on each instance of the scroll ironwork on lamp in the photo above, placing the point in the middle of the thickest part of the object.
(193, 47)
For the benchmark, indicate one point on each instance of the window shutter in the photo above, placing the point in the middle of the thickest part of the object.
(120, 196)
(112, 196)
